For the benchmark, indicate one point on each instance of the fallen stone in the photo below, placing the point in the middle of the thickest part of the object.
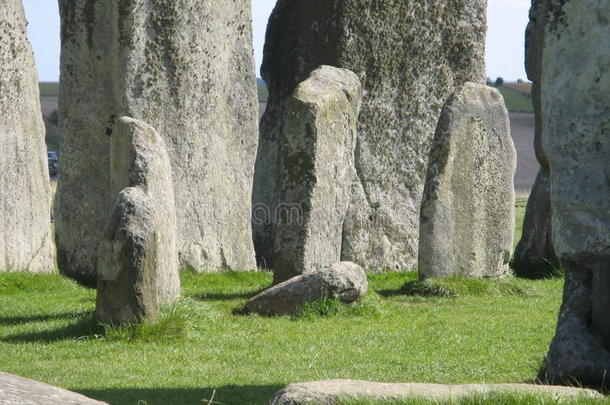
(185, 68)
(138, 261)
(410, 56)
(343, 281)
(26, 242)
(332, 391)
(316, 172)
(576, 136)
(468, 211)
(535, 249)
(15, 390)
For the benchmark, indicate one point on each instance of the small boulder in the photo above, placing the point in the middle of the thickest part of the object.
(15, 390)
(344, 281)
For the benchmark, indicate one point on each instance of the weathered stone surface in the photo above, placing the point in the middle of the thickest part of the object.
(25, 196)
(344, 281)
(137, 260)
(535, 249)
(468, 211)
(576, 135)
(409, 56)
(316, 172)
(186, 68)
(332, 391)
(15, 390)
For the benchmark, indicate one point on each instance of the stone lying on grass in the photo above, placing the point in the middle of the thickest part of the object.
(15, 390)
(344, 281)
(332, 391)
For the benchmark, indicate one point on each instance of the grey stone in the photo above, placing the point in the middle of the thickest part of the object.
(137, 260)
(409, 56)
(468, 211)
(333, 391)
(186, 68)
(535, 249)
(15, 390)
(576, 135)
(344, 281)
(26, 242)
(316, 172)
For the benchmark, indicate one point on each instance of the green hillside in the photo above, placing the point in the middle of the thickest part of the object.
(516, 101)
(48, 89)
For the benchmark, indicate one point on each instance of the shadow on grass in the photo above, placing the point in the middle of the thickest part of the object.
(82, 327)
(18, 320)
(227, 297)
(225, 395)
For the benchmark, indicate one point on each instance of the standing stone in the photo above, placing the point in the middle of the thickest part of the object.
(410, 56)
(576, 133)
(317, 171)
(26, 242)
(535, 249)
(186, 68)
(468, 211)
(137, 260)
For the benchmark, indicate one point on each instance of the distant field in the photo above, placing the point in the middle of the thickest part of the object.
(48, 89)
(521, 87)
(516, 101)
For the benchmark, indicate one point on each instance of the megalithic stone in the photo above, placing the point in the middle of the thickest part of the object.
(468, 211)
(137, 261)
(576, 134)
(185, 68)
(317, 171)
(26, 242)
(410, 56)
(535, 250)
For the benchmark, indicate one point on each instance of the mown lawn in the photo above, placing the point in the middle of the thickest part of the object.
(486, 331)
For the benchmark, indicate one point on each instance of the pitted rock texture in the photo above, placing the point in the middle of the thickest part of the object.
(335, 391)
(137, 261)
(576, 135)
(344, 281)
(410, 56)
(535, 249)
(316, 172)
(15, 390)
(26, 242)
(468, 212)
(185, 68)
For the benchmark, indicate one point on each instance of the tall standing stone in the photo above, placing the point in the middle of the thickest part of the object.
(317, 171)
(468, 211)
(185, 68)
(26, 242)
(576, 134)
(410, 56)
(137, 268)
(535, 249)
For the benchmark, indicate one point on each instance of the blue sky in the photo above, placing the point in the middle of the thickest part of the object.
(507, 21)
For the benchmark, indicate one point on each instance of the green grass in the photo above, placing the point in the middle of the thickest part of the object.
(200, 346)
(520, 206)
(516, 101)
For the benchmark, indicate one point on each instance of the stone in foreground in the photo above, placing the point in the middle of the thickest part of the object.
(15, 390)
(576, 134)
(137, 260)
(468, 211)
(316, 172)
(332, 391)
(345, 281)
(410, 56)
(186, 68)
(26, 242)
(535, 249)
